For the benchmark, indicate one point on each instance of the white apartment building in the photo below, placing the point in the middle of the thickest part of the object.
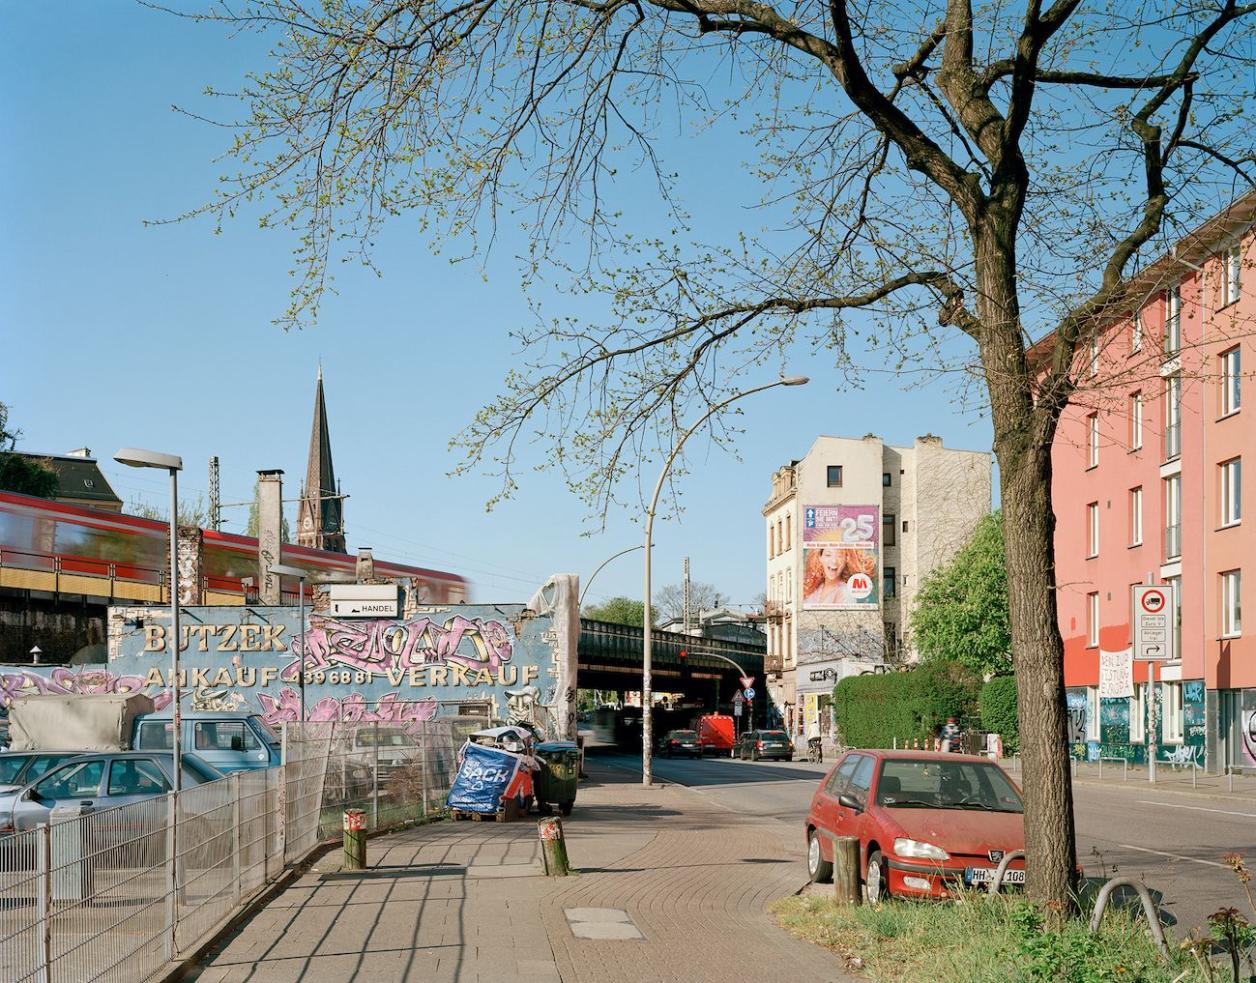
(852, 529)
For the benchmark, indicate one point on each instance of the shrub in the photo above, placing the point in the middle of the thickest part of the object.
(874, 710)
(998, 711)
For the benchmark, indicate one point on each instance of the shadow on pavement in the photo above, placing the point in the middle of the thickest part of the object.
(726, 771)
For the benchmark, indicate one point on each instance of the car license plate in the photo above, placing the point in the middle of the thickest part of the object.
(984, 875)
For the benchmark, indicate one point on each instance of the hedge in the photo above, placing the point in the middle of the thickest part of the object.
(998, 711)
(873, 711)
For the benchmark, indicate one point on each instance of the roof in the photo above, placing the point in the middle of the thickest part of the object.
(80, 478)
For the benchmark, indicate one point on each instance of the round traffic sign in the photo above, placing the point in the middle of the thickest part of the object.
(1153, 601)
(749, 692)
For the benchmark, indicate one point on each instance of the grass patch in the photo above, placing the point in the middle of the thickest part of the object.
(982, 939)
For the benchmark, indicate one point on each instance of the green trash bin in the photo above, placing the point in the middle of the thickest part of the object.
(555, 783)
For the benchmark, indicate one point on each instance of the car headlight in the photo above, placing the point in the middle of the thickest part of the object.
(921, 851)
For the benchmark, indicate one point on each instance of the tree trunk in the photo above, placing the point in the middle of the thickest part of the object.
(1023, 435)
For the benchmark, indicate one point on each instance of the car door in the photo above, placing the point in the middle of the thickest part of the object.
(847, 819)
(228, 745)
(857, 821)
(827, 808)
(72, 784)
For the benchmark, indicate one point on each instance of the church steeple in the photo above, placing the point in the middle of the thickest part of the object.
(320, 519)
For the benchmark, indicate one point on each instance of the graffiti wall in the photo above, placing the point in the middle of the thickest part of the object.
(503, 661)
(1114, 728)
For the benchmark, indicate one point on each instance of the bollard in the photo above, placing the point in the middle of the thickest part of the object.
(846, 886)
(553, 847)
(355, 840)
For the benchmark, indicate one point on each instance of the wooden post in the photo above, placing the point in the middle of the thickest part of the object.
(355, 840)
(846, 870)
(553, 847)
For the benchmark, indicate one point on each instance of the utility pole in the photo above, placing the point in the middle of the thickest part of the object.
(215, 500)
(686, 596)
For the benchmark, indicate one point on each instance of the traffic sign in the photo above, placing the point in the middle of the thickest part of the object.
(738, 699)
(747, 682)
(749, 692)
(1153, 611)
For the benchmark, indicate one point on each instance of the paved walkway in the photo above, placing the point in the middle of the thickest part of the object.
(1169, 778)
(672, 887)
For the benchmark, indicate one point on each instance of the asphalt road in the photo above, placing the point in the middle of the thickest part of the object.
(1172, 841)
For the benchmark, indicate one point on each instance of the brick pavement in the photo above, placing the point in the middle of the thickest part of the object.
(467, 903)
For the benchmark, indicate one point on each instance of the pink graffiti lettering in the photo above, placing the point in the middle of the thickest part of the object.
(390, 709)
(65, 680)
(383, 647)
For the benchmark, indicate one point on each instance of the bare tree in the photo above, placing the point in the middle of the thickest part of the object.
(977, 178)
(669, 600)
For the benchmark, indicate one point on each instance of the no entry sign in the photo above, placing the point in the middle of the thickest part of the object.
(1153, 613)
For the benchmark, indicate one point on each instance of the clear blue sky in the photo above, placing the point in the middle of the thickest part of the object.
(115, 334)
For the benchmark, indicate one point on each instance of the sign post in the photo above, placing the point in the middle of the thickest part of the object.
(1154, 641)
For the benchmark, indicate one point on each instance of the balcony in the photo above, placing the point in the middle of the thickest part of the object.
(1173, 542)
(774, 610)
(774, 665)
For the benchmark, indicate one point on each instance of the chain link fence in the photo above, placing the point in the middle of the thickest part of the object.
(115, 895)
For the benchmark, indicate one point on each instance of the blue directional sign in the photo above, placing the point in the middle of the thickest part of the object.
(749, 692)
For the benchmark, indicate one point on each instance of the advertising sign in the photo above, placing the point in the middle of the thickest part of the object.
(840, 557)
(1116, 674)
(1154, 637)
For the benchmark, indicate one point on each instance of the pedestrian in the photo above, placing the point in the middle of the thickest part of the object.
(950, 735)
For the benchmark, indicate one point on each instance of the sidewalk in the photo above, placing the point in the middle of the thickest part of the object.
(1169, 778)
(672, 887)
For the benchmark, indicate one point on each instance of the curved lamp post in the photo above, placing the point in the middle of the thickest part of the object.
(134, 457)
(647, 648)
(630, 549)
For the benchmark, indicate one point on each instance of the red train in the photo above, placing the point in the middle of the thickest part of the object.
(46, 545)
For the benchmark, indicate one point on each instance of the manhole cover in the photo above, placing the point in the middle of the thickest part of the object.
(601, 923)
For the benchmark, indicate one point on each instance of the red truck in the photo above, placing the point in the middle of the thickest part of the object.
(715, 733)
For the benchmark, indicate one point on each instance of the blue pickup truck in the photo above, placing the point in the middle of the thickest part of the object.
(230, 741)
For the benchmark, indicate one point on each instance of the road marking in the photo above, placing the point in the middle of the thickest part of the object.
(1174, 805)
(1174, 856)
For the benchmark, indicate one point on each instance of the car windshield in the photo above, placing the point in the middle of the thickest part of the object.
(776, 735)
(934, 784)
(10, 765)
(685, 735)
(264, 727)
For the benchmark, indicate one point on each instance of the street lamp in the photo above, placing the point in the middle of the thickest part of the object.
(630, 549)
(647, 648)
(136, 458)
(36, 652)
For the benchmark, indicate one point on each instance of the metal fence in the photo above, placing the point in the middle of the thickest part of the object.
(116, 894)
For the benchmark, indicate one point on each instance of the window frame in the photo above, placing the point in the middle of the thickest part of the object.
(1230, 491)
(1231, 274)
(889, 582)
(1138, 714)
(1093, 733)
(1136, 333)
(1173, 320)
(1092, 441)
(832, 471)
(1172, 493)
(1092, 530)
(1171, 720)
(1092, 619)
(1136, 515)
(889, 529)
(1172, 416)
(1232, 603)
(887, 479)
(1231, 379)
(1136, 420)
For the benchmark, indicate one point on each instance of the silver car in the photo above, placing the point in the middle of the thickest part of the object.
(92, 782)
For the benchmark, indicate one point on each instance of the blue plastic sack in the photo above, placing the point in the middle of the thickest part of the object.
(484, 778)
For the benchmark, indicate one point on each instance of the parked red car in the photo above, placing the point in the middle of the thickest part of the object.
(925, 821)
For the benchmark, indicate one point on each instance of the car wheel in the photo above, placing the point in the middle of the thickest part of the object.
(818, 869)
(875, 881)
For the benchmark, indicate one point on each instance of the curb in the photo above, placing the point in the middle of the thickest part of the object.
(1146, 787)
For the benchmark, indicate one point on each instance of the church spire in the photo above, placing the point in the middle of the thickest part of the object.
(320, 520)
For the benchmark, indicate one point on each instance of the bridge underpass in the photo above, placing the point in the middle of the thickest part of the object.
(610, 657)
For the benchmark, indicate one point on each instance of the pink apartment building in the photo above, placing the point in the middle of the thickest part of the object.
(1148, 464)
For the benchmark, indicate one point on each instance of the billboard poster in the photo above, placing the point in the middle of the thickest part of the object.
(840, 545)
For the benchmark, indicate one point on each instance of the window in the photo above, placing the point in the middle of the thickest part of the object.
(1175, 592)
(72, 781)
(889, 586)
(904, 525)
(1172, 417)
(1092, 619)
(1136, 333)
(1231, 492)
(837, 784)
(1136, 421)
(1092, 440)
(861, 780)
(1173, 517)
(789, 586)
(888, 537)
(223, 735)
(1232, 603)
(1172, 320)
(1136, 516)
(1092, 529)
(1138, 714)
(1231, 275)
(1093, 366)
(789, 532)
(1092, 713)
(1231, 381)
(887, 479)
(834, 475)
(137, 776)
(1171, 703)
(154, 735)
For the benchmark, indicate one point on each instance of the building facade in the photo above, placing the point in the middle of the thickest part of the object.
(852, 529)
(1147, 487)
